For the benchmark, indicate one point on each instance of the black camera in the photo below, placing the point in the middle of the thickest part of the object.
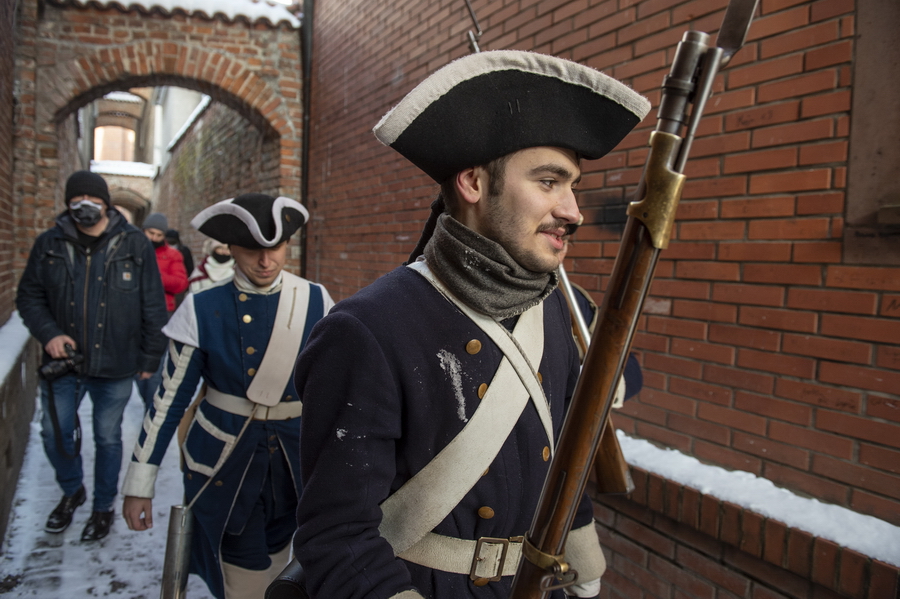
(54, 369)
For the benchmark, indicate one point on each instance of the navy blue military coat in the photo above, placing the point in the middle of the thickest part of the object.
(387, 381)
(223, 342)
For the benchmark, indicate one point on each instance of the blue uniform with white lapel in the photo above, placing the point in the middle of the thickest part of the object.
(224, 341)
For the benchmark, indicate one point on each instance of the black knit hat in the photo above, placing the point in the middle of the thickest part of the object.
(86, 183)
(487, 105)
(252, 220)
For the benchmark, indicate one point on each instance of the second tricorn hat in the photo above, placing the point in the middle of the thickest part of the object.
(252, 220)
(487, 105)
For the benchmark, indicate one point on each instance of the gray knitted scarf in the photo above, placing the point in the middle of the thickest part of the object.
(483, 274)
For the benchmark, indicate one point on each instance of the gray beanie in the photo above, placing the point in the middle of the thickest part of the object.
(156, 221)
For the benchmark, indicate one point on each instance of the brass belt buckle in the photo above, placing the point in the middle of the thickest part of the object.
(477, 559)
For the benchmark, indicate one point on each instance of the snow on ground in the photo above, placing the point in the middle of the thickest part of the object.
(865, 534)
(59, 566)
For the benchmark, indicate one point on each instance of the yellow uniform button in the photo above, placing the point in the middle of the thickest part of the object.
(546, 453)
(485, 512)
(247, 318)
(473, 346)
(251, 351)
(540, 378)
(243, 297)
(480, 582)
(482, 389)
(189, 476)
(219, 483)
(289, 397)
(486, 470)
(251, 371)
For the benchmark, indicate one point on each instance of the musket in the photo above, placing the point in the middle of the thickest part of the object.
(647, 231)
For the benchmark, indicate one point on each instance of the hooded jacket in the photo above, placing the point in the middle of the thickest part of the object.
(108, 298)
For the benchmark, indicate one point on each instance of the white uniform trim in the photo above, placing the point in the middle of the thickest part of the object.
(277, 364)
(182, 327)
(140, 478)
(426, 499)
(395, 122)
(229, 440)
(229, 207)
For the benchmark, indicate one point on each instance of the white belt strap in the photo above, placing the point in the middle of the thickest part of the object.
(277, 365)
(234, 404)
(426, 499)
(486, 557)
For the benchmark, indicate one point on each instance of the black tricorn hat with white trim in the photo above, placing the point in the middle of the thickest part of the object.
(252, 220)
(487, 105)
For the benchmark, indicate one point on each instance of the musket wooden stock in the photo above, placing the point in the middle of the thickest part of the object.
(610, 468)
(589, 409)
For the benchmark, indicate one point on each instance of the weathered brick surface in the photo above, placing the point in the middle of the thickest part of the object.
(72, 55)
(705, 547)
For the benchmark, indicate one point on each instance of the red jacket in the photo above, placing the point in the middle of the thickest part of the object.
(174, 276)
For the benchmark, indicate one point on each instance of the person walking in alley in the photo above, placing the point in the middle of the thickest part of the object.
(174, 281)
(241, 447)
(91, 291)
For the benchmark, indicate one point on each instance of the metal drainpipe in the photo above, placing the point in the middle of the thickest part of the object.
(306, 45)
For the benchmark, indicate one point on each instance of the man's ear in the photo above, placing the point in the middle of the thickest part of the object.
(471, 184)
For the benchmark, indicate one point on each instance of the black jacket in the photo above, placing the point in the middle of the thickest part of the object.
(108, 298)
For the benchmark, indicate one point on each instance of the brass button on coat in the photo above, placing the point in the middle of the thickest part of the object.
(243, 297)
(480, 582)
(485, 512)
(546, 453)
(473, 346)
(540, 377)
(482, 389)
(251, 371)
(219, 483)
(251, 351)
(247, 318)
(486, 470)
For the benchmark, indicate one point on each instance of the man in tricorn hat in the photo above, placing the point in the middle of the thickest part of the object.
(241, 445)
(435, 395)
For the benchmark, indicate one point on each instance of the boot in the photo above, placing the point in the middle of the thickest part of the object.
(61, 516)
(97, 526)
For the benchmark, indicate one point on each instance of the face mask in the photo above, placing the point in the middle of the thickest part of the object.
(158, 244)
(220, 258)
(86, 213)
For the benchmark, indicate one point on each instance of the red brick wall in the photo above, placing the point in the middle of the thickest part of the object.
(221, 156)
(7, 72)
(762, 350)
(72, 55)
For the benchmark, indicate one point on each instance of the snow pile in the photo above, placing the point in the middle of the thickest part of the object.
(870, 536)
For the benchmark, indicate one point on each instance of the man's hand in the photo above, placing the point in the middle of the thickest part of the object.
(145, 375)
(138, 512)
(56, 347)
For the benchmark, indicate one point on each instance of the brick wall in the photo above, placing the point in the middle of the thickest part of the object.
(762, 350)
(76, 54)
(7, 101)
(220, 157)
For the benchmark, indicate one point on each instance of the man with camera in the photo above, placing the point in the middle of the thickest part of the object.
(92, 296)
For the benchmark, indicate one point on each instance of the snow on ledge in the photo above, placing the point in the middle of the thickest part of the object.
(13, 337)
(123, 167)
(189, 122)
(867, 535)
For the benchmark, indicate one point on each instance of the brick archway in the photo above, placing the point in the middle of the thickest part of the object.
(69, 55)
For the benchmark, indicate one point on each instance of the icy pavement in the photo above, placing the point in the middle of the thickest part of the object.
(34, 563)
